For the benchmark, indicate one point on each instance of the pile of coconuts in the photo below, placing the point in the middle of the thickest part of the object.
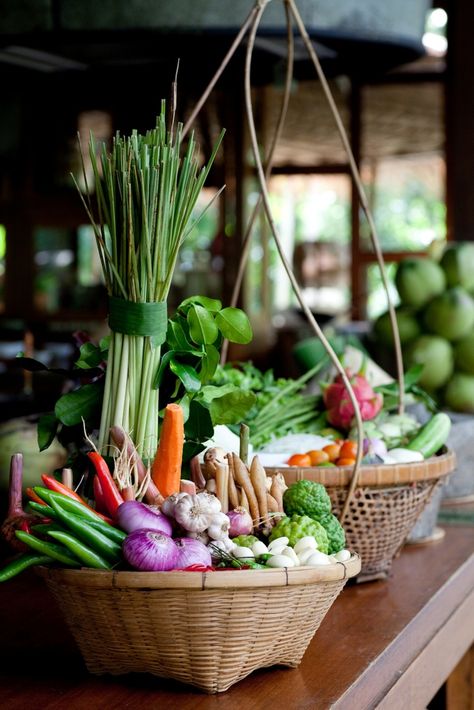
(436, 322)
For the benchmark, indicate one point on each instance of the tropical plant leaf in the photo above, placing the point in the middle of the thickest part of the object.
(199, 426)
(46, 430)
(202, 326)
(210, 304)
(82, 403)
(187, 374)
(234, 325)
(209, 364)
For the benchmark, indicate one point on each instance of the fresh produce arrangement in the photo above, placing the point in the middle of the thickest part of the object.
(230, 516)
(436, 323)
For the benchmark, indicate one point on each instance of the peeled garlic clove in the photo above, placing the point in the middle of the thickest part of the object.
(280, 561)
(318, 558)
(307, 542)
(243, 552)
(289, 552)
(278, 550)
(259, 548)
(278, 542)
(305, 555)
(343, 556)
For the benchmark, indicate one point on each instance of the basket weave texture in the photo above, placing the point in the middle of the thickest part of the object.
(386, 503)
(208, 630)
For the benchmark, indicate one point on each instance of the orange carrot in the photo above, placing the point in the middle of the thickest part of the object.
(166, 466)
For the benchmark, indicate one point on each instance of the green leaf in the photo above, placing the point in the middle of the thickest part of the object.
(199, 426)
(202, 327)
(104, 343)
(209, 364)
(210, 392)
(164, 362)
(190, 449)
(234, 325)
(177, 335)
(91, 355)
(232, 407)
(46, 430)
(187, 374)
(80, 404)
(210, 304)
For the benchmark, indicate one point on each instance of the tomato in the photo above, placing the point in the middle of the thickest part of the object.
(302, 460)
(348, 450)
(317, 456)
(345, 461)
(332, 451)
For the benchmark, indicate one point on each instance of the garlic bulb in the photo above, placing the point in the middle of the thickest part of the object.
(219, 526)
(193, 513)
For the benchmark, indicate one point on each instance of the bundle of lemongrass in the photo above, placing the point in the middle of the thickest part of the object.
(146, 190)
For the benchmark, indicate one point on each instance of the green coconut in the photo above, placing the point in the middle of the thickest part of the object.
(436, 356)
(418, 280)
(451, 314)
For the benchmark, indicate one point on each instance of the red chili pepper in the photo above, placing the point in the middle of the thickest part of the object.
(98, 495)
(112, 497)
(54, 485)
(198, 568)
(33, 496)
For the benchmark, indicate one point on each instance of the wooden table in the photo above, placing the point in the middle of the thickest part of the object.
(387, 645)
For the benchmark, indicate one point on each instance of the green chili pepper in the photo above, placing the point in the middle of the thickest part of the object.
(84, 553)
(56, 552)
(69, 504)
(263, 558)
(21, 563)
(114, 534)
(44, 528)
(45, 510)
(87, 534)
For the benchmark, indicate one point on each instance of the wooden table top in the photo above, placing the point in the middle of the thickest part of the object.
(383, 644)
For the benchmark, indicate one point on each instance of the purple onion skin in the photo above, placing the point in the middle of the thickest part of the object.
(191, 552)
(150, 551)
(133, 515)
(240, 522)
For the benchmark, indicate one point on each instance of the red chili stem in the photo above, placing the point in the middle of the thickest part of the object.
(112, 497)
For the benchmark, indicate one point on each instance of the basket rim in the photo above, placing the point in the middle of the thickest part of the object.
(203, 581)
(373, 474)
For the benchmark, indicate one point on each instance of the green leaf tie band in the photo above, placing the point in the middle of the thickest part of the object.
(145, 319)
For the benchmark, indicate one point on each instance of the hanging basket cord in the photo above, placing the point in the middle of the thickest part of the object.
(268, 169)
(252, 21)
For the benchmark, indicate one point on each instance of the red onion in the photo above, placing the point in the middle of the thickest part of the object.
(150, 551)
(240, 522)
(191, 552)
(133, 515)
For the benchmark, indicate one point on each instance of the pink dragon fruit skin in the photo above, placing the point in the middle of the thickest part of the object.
(340, 411)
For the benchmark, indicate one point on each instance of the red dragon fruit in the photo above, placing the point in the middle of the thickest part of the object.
(340, 410)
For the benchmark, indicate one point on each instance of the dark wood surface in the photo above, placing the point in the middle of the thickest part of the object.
(389, 644)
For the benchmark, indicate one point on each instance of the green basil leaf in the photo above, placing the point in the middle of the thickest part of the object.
(234, 325)
(209, 363)
(210, 304)
(187, 374)
(202, 327)
(199, 426)
(80, 404)
(232, 407)
(46, 430)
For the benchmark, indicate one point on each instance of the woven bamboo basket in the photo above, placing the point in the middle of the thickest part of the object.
(384, 507)
(206, 629)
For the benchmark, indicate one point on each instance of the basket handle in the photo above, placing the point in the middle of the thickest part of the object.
(299, 295)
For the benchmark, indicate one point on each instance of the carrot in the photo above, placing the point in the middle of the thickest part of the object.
(166, 466)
